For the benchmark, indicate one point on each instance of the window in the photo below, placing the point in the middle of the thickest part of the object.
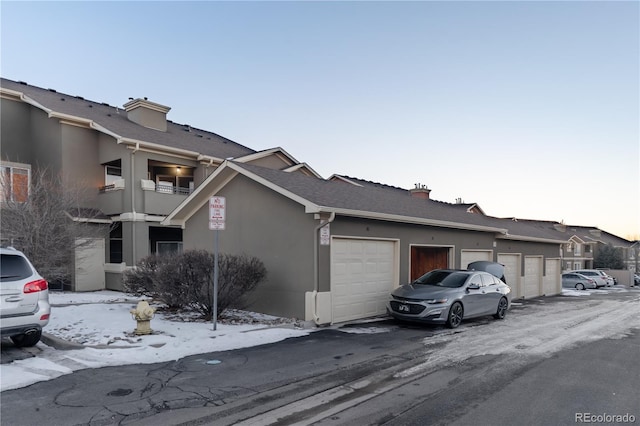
(476, 280)
(489, 279)
(112, 174)
(168, 247)
(115, 244)
(14, 182)
(577, 249)
(569, 247)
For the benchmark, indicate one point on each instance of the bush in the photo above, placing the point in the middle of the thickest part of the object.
(186, 280)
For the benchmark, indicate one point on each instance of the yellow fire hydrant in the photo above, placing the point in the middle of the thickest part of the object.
(143, 314)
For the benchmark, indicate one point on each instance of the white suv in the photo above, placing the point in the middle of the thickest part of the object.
(24, 299)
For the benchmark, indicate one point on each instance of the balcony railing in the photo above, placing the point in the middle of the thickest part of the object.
(118, 184)
(166, 189)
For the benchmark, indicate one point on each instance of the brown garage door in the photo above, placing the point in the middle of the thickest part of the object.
(425, 259)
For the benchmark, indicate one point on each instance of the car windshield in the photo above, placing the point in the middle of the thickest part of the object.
(450, 279)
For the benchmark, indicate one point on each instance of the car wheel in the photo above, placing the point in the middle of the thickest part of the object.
(26, 340)
(502, 309)
(579, 286)
(455, 315)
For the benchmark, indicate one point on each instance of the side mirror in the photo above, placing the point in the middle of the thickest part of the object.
(473, 287)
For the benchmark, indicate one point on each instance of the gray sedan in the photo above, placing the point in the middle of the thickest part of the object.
(577, 281)
(446, 296)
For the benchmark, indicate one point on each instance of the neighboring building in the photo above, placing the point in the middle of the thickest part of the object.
(584, 242)
(139, 164)
(334, 250)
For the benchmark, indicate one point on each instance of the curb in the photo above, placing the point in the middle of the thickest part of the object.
(58, 343)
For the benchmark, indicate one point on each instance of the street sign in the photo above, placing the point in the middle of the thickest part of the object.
(217, 213)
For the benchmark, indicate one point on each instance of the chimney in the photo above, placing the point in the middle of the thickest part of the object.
(147, 114)
(420, 191)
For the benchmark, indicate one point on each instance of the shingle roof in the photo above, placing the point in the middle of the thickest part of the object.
(395, 202)
(115, 120)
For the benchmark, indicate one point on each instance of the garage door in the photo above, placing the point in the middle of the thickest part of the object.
(552, 281)
(468, 256)
(362, 276)
(532, 276)
(511, 264)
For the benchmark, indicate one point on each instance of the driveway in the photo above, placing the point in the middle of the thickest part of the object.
(389, 370)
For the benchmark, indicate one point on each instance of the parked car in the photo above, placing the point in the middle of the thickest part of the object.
(636, 279)
(599, 276)
(577, 281)
(612, 280)
(447, 296)
(24, 299)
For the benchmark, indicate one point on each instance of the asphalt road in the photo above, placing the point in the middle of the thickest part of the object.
(551, 359)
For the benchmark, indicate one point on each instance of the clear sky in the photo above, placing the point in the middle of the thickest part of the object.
(530, 109)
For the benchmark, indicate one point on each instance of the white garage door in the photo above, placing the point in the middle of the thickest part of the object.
(362, 276)
(532, 276)
(468, 256)
(552, 281)
(511, 264)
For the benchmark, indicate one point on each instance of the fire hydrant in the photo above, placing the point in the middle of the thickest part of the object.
(143, 314)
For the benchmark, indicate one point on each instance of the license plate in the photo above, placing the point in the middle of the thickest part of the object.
(404, 308)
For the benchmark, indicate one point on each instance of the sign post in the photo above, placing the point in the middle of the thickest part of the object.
(217, 214)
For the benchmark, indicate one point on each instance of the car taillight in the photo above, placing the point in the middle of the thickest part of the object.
(35, 286)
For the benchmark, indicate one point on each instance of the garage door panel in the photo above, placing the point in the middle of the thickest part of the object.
(511, 264)
(532, 276)
(361, 277)
(468, 256)
(552, 282)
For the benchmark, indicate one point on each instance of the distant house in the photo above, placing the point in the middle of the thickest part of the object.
(139, 164)
(334, 249)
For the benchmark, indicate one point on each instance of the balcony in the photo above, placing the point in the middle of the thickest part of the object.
(163, 197)
(111, 197)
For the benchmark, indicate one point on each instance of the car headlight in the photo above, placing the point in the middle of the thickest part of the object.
(436, 301)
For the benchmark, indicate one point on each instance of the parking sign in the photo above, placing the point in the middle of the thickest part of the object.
(217, 212)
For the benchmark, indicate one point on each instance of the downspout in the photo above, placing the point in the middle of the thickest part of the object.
(316, 269)
(133, 204)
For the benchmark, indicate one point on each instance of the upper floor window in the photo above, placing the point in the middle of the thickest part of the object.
(14, 182)
(577, 249)
(112, 174)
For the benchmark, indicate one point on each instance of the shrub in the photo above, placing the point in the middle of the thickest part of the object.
(186, 280)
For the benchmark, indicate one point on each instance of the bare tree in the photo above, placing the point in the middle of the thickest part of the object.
(50, 225)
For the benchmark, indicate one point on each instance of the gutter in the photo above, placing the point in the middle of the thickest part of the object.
(133, 206)
(531, 239)
(316, 269)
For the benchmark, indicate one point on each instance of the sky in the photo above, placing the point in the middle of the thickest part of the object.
(530, 109)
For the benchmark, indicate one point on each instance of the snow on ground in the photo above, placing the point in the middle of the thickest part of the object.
(537, 331)
(102, 324)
